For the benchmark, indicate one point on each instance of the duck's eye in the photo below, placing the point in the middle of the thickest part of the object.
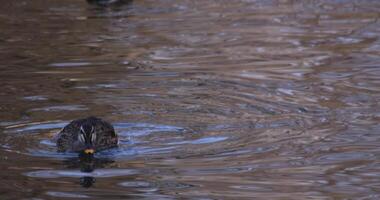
(81, 138)
(93, 137)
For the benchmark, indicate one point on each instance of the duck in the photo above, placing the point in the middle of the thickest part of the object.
(107, 2)
(86, 136)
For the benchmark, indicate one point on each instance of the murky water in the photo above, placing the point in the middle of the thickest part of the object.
(236, 99)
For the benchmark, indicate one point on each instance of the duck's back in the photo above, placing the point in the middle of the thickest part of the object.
(67, 138)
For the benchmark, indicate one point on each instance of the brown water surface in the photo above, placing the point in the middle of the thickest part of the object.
(237, 99)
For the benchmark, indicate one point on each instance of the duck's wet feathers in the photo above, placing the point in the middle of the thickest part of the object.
(67, 138)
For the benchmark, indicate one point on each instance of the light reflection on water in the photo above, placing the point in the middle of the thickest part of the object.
(211, 99)
(75, 173)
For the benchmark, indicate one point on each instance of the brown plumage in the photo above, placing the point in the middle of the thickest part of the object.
(86, 135)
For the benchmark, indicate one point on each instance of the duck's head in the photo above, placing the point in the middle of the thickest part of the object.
(87, 138)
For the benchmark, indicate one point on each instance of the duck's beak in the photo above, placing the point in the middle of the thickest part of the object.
(89, 151)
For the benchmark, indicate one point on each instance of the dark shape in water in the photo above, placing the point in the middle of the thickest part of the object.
(87, 163)
(86, 136)
(87, 181)
(109, 2)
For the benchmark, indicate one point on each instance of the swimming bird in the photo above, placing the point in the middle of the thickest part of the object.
(87, 135)
(108, 2)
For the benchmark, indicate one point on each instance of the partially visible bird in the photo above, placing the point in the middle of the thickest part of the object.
(108, 2)
(87, 135)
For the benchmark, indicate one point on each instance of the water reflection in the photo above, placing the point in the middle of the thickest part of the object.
(212, 99)
(87, 164)
(85, 167)
(109, 2)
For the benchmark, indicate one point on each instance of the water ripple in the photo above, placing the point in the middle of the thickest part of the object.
(241, 99)
(99, 173)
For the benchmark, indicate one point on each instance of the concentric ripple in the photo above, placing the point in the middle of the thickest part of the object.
(36, 139)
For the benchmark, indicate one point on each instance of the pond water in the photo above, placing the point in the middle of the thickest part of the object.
(237, 99)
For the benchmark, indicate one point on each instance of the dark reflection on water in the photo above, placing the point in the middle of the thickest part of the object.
(110, 3)
(235, 99)
(87, 164)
